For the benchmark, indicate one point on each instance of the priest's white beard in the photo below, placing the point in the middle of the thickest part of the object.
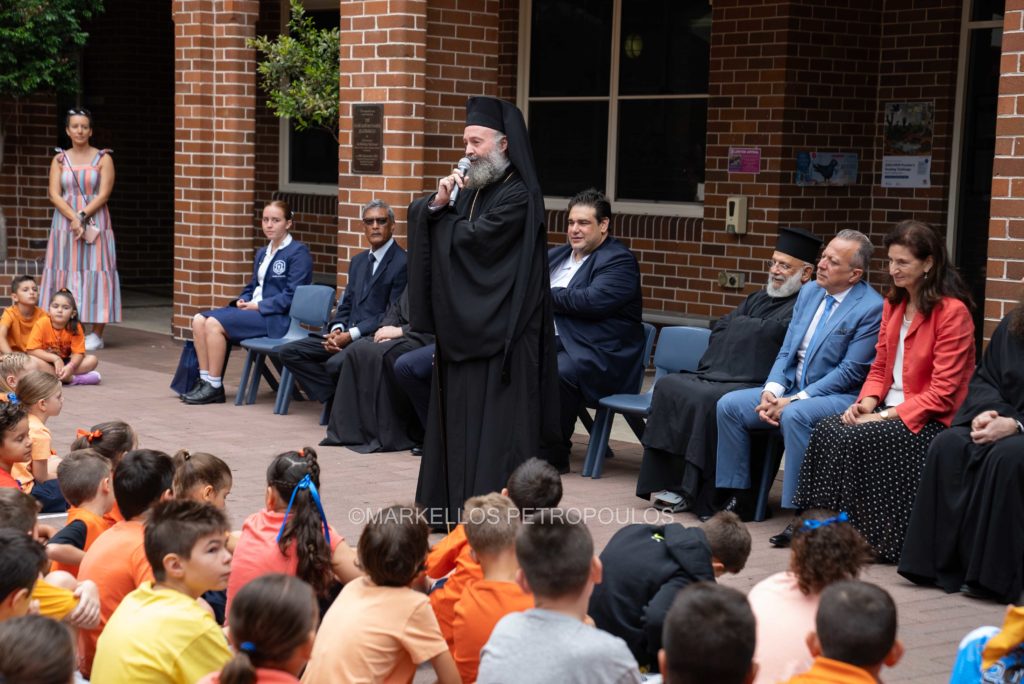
(788, 287)
(488, 169)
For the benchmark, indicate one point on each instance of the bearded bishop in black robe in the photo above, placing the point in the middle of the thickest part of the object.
(478, 281)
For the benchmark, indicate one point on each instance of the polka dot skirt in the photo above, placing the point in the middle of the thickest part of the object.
(871, 471)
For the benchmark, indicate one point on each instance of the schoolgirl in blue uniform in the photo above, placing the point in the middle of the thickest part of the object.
(262, 308)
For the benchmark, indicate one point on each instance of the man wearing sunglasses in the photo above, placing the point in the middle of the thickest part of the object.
(376, 279)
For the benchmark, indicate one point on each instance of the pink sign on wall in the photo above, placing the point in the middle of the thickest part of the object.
(744, 160)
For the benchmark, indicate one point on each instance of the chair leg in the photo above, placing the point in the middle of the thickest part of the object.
(637, 424)
(284, 393)
(244, 380)
(600, 442)
(284, 389)
(259, 363)
(600, 416)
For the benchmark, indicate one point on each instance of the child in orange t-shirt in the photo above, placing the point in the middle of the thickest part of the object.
(17, 320)
(86, 482)
(42, 396)
(15, 444)
(111, 440)
(116, 561)
(491, 524)
(58, 341)
(534, 485)
(380, 627)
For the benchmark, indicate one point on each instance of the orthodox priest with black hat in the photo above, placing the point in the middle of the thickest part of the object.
(681, 437)
(478, 280)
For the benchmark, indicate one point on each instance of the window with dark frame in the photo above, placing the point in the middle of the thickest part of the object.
(637, 68)
(313, 153)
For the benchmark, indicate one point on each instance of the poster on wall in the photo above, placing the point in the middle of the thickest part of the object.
(907, 144)
(826, 168)
(744, 160)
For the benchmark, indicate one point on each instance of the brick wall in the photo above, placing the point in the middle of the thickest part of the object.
(128, 84)
(214, 152)
(29, 129)
(1006, 225)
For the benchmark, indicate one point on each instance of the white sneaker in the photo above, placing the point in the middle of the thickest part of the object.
(93, 342)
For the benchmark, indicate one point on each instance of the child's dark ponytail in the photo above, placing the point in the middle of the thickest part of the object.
(270, 617)
(295, 476)
(112, 440)
(74, 326)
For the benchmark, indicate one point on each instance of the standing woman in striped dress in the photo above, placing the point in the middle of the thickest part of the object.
(81, 255)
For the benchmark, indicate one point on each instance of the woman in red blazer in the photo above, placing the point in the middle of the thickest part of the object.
(868, 461)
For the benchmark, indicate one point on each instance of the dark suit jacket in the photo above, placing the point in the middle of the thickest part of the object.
(291, 267)
(363, 306)
(599, 318)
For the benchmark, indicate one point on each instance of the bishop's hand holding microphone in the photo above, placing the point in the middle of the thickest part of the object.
(448, 187)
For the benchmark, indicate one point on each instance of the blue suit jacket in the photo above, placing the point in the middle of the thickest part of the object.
(599, 316)
(291, 267)
(837, 362)
(363, 305)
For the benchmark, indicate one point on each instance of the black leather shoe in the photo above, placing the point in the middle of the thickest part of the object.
(783, 539)
(195, 388)
(417, 450)
(207, 394)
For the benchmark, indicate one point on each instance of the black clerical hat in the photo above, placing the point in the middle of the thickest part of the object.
(798, 243)
(485, 111)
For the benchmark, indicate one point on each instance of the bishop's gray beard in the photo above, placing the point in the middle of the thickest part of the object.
(787, 288)
(487, 170)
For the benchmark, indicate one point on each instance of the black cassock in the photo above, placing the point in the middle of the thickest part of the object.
(966, 526)
(478, 280)
(682, 434)
(370, 411)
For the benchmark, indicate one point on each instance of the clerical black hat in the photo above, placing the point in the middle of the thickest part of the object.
(798, 243)
(485, 111)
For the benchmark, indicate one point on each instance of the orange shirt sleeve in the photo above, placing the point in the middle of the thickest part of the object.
(7, 319)
(141, 569)
(41, 441)
(441, 559)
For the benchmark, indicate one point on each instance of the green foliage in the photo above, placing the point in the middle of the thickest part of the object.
(299, 72)
(39, 40)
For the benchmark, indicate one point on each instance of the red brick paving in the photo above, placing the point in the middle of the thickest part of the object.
(137, 368)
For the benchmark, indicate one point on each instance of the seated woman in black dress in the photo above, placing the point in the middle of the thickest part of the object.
(261, 309)
(964, 532)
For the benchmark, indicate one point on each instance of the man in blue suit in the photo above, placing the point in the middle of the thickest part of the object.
(598, 309)
(376, 278)
(818, 372)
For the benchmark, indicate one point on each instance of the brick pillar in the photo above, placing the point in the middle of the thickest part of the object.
(1006, 222)
(214, 153)
(383, 60)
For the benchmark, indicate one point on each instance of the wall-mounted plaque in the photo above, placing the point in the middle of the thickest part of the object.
(368, 138)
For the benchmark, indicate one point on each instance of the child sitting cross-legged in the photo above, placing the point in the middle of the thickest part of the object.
(534, 485)
(58, 595)
(491, 523)
(709, 636)
(57, 341)
(645, 566)
(17, 319)
(87, 483)
(117, 561)
(291, 534)
(854, 637)
(24, 639)
(380, 627)
(160, 632)
(552, 642)
(273, 625)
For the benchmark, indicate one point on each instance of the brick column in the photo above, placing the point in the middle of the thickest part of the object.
(214, 153)
(1006, 222)
(421, 60)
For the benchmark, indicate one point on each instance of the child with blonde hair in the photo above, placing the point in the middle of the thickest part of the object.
(13, 365)
(42, 396)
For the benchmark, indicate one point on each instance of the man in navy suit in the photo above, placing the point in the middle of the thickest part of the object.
(376, 278)
(818, 372)
(598, 309)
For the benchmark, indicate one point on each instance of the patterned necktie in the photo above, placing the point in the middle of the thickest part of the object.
(369, 272)
(819, 330)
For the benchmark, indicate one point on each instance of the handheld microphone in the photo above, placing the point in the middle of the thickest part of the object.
(463, 168)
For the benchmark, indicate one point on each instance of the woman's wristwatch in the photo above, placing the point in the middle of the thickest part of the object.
(82, 215)
(884, 414)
